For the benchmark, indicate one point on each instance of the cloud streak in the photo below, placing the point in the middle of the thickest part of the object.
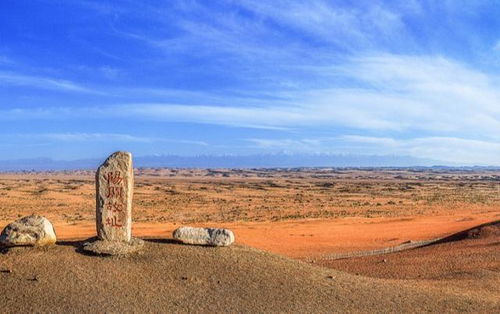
(394, 93)
(105, 137)
(8, 78)
(310, 75)
(453, 150)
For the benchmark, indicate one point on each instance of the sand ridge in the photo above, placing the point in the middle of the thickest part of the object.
(466, 263)
(169, 277)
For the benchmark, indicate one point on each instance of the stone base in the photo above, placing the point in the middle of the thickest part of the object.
(100, 247)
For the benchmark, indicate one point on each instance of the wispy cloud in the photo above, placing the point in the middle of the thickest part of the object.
(349, 28)
(9, 78)
(451, 149)
(393, 93)
(299, 145)
(448, 149)
(497, 46)
(401, 76)
(268, 38)
(108, 137)
(85, 137)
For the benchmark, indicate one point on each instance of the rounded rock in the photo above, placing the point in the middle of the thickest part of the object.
(204, 236)
(31, 230)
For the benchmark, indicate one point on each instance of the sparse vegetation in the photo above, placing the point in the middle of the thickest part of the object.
(221, 195)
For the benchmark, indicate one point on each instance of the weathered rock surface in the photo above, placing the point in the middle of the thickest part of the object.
(28, 231)
(114, 190)
(96, 246)
(204, 236)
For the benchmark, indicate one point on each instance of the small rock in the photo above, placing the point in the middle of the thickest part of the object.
(8, 271)
(34, 278)
(384, 260)
(330, 277)
(204, 236)
(32, 230)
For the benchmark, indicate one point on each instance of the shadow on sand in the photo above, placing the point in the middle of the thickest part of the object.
(78, 244)
(470, 233)
(162, 240)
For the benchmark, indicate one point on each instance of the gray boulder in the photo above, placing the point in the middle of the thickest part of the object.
(32, 230)
(204, 236)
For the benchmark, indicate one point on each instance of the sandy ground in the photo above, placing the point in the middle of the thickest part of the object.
(313, 237)
(299, 213)
(170, 278)
(295, 212)
(466, 265)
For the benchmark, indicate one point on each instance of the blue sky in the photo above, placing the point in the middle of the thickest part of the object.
(80, 79)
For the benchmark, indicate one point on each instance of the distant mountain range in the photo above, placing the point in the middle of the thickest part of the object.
(229, 161)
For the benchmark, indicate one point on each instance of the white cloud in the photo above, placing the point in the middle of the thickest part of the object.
(8, 78)
(107, 137)
(275, 34)
(347, 27)
(446, 149)
(294, 145)
(394, 93)
(449, 149)
(384, 141)
(84, 137)
(497, 46)
(453, 105)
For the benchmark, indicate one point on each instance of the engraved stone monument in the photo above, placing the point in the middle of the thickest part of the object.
(114, 191)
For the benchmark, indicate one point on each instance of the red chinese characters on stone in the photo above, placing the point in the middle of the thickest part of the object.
(114, 177)
(115, 194)
(114, 189)
(114, 207)
(113, 222)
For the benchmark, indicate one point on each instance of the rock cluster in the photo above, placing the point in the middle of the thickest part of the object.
(114, 191)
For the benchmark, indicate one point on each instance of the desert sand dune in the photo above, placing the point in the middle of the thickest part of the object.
(466, 263)
(170, 277)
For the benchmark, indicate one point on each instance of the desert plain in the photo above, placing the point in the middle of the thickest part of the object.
(303, 219)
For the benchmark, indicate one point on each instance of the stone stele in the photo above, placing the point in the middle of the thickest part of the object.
(114, 190)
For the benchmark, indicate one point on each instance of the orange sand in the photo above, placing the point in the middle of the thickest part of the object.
(296, 213)
(305, 238)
